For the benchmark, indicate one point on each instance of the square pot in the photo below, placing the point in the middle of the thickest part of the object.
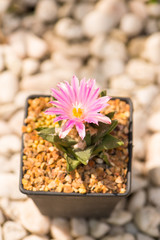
(75, 204)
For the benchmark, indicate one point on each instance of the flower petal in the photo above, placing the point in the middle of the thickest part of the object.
(66, 128)
(80, 129)
(101, 118)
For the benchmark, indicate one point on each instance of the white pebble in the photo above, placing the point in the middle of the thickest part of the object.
(98, 229)
(60, 229)
(13, 230)
(79, 227)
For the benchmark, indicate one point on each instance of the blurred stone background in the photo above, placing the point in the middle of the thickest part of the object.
(117, 42)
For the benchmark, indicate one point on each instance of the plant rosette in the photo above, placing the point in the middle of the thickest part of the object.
(76, 142)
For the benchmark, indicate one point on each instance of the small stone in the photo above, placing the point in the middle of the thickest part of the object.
(139, 148)
(147, 220)
(29, 66)
(146, 95)
(13, 165)
(9, 188)
(131, 24)
(60, 229)
(125, 236)
(153, 10)
(142, 72)
(140, 125)
(35, 237)
(18, 42)
(36, 47)
(85, 238)
(79, 227)
(16, 122)
(1, 59)
(138, 183)
(47, 66)
(154, 176)
(10, 86)
(33, 220)
(21, 97)
(46, 11)
(98, 229)
(154, 196)
(112, 67)
(7, 110)
(151, 48)
(151, 26)
(118, 82)
(154, 122)
(12, 61)
(2, 219)
(141, 236)
(120, 217)
(153, 155)
(135, 46)
(139, 8)
(137, 201)
(82, 9)
(13, 230)
(68, 29)
(4, 128)
(4, 5)
(44, 81)
(9, 143)
(116, 230)
(103, 47)
(131, 228)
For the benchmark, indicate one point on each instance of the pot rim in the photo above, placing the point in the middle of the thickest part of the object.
(48, 193)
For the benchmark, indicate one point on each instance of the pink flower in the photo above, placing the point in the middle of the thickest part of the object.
(77, 104)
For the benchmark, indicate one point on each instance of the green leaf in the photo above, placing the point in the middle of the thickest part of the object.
(87, 138)
(103, 93)
(104, 157)
(46, 134)
(104, 129)
(110, 115)
(45, 130)
(108, 142)
(66, 142)
(84, 155)
(72, 163)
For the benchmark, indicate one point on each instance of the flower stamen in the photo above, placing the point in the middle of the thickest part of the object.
(77, 112)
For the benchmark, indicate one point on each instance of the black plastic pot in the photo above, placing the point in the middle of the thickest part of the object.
(75, 204)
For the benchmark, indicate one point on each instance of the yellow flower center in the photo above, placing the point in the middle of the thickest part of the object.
(77, 112)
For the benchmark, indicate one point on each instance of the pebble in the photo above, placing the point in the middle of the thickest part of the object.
(7, 110)
(4, 5)
(140, 125)
(13, 165)
(21, 97)
(141, 236)
(153, 10)
(16, 122)
(10, 86)
(146, 95)
(112, 67)
(135, 46)
(139, 148)
(9, 143)
(131, 24)
(139, 8)
(131, 228)
(153, 154)
(120, 217)
(151, 26)
(147, 220)
(82, 9)
(2, 218)
(4, 128)
(44, 81)
(97, 228)
(60, 229)
(79, 227)
(118, 82)
(35, 237)
(0, 233)
(1, 59)
(137, 201)
(103, 18)
(154, 122)
(142, 72)
(33, 220)
(47, 66)
(9, 186)
(103, 47)
(46, 11)
(13, 230)
(18, 42)
(154, 196)
(85, 238)
(12, 61)
(138, 183)
(125, 236)
(68, 29)
(151, 48)
(29, 66)
(154, 176)
(116, 230)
